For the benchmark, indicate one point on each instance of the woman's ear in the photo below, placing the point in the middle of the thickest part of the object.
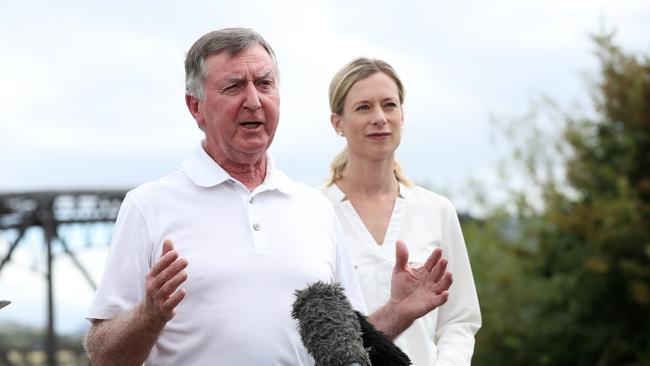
(335, 119)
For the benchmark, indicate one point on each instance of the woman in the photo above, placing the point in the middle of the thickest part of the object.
(377, 205)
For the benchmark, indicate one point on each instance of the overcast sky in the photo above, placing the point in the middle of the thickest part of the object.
(91, 93)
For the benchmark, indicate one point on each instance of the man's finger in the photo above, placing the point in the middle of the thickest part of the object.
(401, 256)
(433, 259)
(170, 286)
(167, 256)
(174, 300)
(439, 269)
(444, 284)
(165, 261)
(168, 273)
(441, 299)
(168, 246)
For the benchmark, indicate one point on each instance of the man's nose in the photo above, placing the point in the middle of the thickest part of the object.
(252, 98)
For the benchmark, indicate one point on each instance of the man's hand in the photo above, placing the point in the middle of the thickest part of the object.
(417, 291)
(413, 293)
(161, 285)
(128, 339)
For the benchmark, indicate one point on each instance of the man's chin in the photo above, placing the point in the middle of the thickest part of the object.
(254, 146)
(252, 153)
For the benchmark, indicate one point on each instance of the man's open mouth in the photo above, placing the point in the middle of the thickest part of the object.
(251, 125)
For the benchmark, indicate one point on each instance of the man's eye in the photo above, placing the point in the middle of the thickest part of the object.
(265, 83)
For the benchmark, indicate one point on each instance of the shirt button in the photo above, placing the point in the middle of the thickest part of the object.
(256, 226)
(252, 200)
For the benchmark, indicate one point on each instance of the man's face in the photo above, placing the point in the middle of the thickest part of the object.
(240, 111)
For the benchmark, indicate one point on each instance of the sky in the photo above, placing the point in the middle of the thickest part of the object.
(92, 93)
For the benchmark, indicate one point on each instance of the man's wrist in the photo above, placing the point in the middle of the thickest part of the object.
(390, 319)
(150, 323)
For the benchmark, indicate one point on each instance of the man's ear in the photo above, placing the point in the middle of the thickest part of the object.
(335, 119)
(193, 106)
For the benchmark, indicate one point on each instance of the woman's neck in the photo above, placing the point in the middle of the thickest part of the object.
(369, 177)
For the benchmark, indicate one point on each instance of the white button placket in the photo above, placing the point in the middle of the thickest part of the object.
(255, 217)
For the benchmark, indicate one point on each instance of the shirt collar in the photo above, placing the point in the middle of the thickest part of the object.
(201, 169)
(404, 191)
(276, 179)
(337, 194)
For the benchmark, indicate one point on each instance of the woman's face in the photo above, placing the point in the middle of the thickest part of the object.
(372, 118)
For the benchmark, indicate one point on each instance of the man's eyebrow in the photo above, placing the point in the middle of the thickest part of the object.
(233, 79)
(264, 75)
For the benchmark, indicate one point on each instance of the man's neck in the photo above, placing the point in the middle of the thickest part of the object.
(250, 174)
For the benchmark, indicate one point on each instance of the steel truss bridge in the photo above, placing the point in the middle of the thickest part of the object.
(53, 213)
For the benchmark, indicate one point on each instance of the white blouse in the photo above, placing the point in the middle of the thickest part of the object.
(424, 220)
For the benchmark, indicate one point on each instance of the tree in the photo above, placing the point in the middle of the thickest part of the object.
(577, 268)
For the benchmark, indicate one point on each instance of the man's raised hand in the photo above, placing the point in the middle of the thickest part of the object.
(417, 291)
(162, 285)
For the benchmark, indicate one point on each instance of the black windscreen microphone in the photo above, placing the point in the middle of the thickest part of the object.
(382, 351)
(328, 326)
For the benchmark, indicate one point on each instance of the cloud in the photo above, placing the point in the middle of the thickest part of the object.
(103, 95)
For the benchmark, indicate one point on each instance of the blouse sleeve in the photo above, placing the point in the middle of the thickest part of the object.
(460, 318)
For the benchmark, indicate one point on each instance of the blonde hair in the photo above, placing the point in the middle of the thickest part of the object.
(357, 69)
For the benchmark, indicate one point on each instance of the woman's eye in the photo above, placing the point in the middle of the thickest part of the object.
(362, 107)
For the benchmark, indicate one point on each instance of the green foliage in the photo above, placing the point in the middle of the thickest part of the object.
(564, 278)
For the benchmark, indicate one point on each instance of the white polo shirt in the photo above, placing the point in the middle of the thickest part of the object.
(425, 221)
(247, 252)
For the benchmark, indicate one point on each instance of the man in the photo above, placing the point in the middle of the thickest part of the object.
(248, 236)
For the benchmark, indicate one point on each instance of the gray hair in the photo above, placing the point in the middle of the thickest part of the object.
(232, 40)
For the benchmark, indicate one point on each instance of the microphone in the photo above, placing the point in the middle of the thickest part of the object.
(337, 335)
(328, 326)
(382, 351)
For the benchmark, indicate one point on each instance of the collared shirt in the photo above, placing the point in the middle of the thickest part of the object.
(424, 220)
(247, 253)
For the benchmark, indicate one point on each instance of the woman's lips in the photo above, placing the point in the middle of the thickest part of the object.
(378, 135)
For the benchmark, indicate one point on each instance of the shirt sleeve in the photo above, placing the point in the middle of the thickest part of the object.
(345, 273)
(460, 318)
(129, 260)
